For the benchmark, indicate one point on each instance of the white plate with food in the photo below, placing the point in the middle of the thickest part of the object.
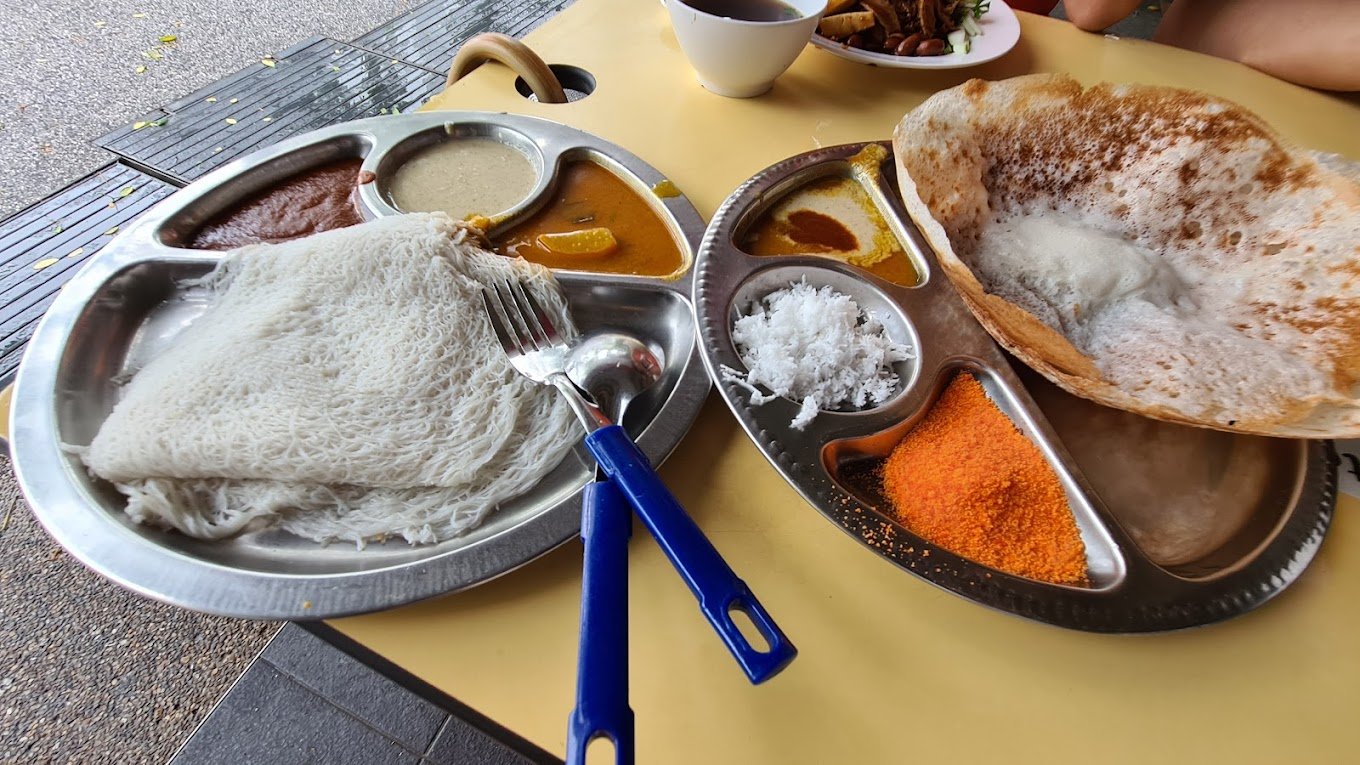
(918, 34)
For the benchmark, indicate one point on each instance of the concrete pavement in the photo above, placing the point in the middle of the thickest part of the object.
(69, 69)
(91, 673)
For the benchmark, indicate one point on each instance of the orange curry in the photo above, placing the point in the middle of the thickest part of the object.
(595, 222)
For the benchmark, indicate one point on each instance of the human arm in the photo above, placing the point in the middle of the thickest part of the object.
(1309, 42)
(1096, 15)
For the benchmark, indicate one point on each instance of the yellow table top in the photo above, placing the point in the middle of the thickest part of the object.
(890, 669)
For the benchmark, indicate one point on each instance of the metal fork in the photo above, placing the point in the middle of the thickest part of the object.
(537, 350)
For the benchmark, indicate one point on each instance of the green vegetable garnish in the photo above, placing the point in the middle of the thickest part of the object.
(974, 9)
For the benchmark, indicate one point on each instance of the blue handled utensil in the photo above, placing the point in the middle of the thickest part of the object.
(613, 368)
(538, 352)
(717, 587)
(602, 664)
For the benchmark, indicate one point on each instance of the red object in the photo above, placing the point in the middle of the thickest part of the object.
(1041, 7)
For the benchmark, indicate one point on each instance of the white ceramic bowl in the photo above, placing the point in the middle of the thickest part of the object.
(741, 59)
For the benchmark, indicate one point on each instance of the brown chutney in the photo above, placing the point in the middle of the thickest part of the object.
(319, 199)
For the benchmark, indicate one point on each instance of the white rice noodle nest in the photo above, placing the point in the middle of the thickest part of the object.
(345, 386)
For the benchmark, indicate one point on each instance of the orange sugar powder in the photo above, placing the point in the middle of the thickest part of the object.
(967, 480)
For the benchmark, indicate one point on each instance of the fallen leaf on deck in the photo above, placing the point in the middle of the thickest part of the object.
(77, 252)
(212, 99)
(127, 191)
(111, 231)
(139, 15)
(100, 24)
(267, 119)
(233, 100)
(230, 121)
(269, 62)
(335, 69)
(44, 263)
(57, 229)
(168, 38)
(140, 70)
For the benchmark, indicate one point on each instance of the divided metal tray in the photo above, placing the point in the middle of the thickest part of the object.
(1182, 526)
(134, 298)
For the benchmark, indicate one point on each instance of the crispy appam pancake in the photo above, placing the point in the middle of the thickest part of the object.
(1156, 250)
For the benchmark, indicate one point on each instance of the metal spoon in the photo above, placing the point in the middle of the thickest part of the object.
(716, 587)
(614, 368)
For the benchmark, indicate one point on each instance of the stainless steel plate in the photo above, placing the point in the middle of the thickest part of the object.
(135, 297)
(1182, 526)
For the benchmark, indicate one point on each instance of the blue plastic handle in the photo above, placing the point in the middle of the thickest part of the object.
(717, 588)
(602, 666)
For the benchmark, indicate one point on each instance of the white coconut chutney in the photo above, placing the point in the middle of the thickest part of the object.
(463, 177)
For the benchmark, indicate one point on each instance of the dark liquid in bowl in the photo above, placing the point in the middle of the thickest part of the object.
(746, 10)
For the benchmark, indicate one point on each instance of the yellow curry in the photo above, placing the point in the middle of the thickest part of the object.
(834, 217)
(595, 222)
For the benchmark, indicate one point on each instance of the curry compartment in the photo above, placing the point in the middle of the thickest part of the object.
(141, 291)
(473, 168)
(597, 215)
(840, 210)
(858, 466)
(564, 201)
(873, 303)
(1180, 526)
(311, 189)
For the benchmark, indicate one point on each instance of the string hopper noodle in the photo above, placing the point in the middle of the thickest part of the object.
(344, 386)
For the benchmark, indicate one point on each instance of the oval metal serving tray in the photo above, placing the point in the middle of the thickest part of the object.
(134, 297)
(1182, 526)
